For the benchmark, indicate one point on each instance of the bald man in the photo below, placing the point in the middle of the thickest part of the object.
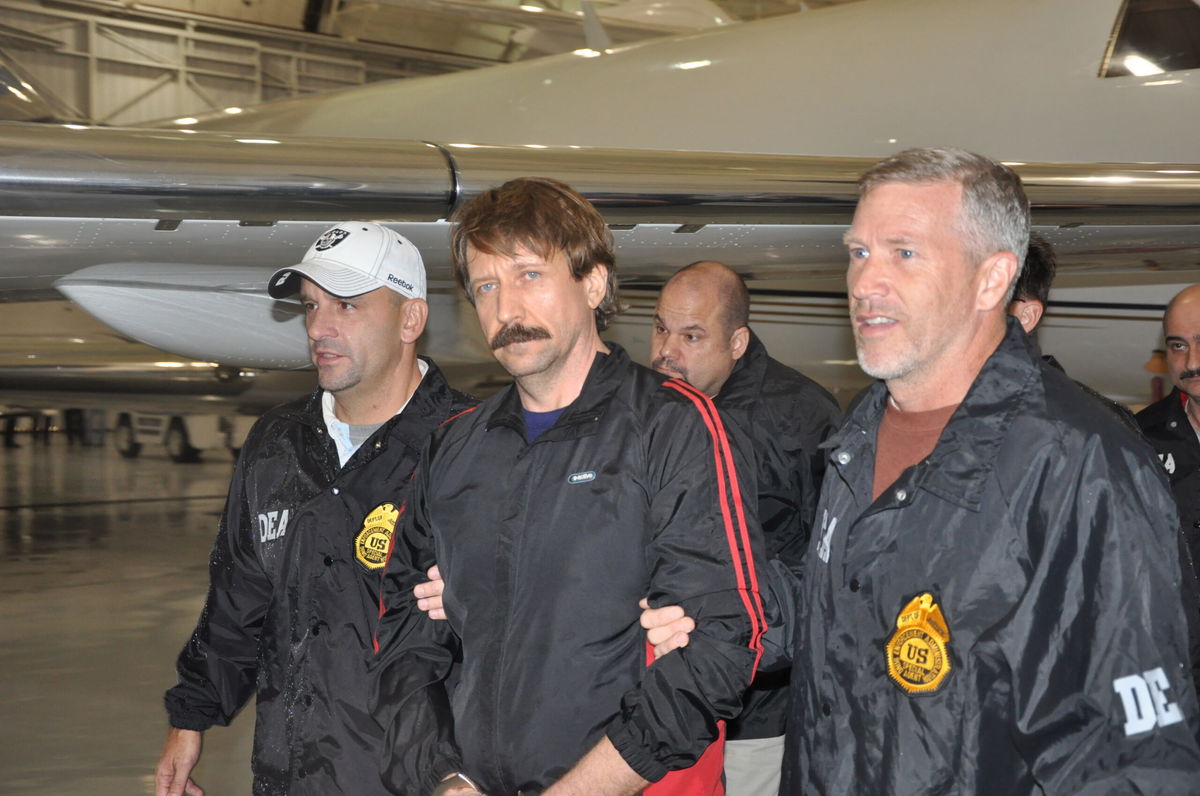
(1172, 426)
(701, 335)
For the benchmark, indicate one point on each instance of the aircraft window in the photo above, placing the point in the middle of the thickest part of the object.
(1154, 36)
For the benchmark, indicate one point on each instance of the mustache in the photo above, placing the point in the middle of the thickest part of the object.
(1189, 374)
(324, 345)
(668, 364)
(516, 333)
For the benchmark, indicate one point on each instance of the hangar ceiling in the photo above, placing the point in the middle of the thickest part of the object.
(118, 62)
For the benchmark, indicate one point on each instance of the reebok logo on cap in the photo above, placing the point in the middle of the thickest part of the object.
(400, 282)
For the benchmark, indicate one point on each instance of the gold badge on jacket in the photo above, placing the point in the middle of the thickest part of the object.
(373, 541)
(917, 657)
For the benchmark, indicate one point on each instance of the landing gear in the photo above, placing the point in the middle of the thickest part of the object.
(179, 447)
(127, 444)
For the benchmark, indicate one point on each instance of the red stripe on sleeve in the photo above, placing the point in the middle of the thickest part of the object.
(737, 495)
(747, 580)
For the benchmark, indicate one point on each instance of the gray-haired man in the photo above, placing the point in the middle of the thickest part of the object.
(991, 596)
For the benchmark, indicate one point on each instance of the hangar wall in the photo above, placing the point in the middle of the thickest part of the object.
(283, 13)
(99, 65)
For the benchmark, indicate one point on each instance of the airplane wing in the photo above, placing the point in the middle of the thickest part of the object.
(168, 235)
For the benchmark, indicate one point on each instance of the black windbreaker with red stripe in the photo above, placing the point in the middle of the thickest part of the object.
(546, 549)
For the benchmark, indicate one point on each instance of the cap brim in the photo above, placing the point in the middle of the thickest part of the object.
(337, 281)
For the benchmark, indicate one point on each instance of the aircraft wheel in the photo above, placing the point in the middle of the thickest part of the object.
(179, 447)
(126, 442)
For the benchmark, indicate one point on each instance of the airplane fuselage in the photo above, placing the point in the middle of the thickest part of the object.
(1012, 79)
(1017, 80)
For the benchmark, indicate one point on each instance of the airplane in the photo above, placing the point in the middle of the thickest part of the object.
(540, 29)
(739, 144)
(55, 358)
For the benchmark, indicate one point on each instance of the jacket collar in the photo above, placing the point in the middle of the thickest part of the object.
(606, 373)
(1177, 411)
(306, 411)
(744, 385)
(958, 468)
(1168, 416)
(425, 410)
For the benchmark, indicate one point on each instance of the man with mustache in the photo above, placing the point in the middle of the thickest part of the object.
(314, 501)
(991, 599)
(701, 335)
(1172, 426)
(551, 510)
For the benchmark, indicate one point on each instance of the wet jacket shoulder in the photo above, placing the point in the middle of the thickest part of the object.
(294, 593)
(1121, 411)
(546, 548)
(1041, 530)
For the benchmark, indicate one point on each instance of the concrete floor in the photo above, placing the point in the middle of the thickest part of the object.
(103, 572)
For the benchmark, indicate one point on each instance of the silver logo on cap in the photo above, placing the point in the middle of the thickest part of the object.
(331, 238)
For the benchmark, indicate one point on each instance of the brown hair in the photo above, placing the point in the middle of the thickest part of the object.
(544, 216)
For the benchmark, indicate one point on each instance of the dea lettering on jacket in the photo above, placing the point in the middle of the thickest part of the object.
(1145, 701)
(272, 525)
(828, 526)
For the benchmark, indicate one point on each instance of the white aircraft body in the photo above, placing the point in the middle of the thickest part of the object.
(1015, 79)
(166, 235)
(542, 31)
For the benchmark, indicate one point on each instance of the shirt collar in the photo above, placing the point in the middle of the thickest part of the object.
(967, 450)
(339, 432)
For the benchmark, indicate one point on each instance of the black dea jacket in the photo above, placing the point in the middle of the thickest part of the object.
(294, 598)
(546, 549)
(1166, 427)
(1006, 617)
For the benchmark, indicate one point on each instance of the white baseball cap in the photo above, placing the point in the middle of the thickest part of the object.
(355, 258)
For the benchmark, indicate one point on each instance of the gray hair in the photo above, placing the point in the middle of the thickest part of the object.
(995, 211)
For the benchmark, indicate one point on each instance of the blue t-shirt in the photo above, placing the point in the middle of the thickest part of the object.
(536, 423)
